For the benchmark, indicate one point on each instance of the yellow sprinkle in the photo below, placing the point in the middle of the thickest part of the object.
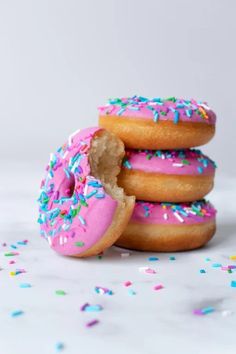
(233, 258)
(12, 273)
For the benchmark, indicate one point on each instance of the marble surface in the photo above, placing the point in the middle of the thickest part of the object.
(149, 322)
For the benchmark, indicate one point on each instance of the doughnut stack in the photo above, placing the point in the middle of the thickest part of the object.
(164, 171)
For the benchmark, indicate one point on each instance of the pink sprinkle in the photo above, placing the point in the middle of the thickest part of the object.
(12, 262)
(92, 323)
(147, 270)
(158, 287)
(127, 283)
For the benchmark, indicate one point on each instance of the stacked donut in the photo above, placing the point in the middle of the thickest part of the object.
(162, 170)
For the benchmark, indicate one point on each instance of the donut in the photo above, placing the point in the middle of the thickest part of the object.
(82, 211)
(156, 123)
(167, 175)
(169, 227)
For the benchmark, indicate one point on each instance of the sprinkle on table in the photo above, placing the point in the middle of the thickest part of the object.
(60, 292)
(91, 308)
(147, 270)
(232, 258)
(11, 254)
(131, 292)
(204, 311)
(202, 271)
(233, 283)
(101, 290)
(172, 258)
(152, 259)
(158, 287)
(92, 323)
(25, 285)
(17, 313)
(127, 283)
(59, 347)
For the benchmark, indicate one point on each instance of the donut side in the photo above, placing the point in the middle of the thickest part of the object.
(166, 238)
(157, 187)
(141, 133)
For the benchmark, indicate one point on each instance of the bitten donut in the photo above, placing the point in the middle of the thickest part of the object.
(169, 175)
(82, 211)
(171, 123)
(168, 227)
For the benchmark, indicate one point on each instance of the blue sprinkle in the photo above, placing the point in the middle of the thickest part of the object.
(25, 285)
(94, 184)
(156, 116)
(81, 219)
(100, 195)
(153, 259)
(131, 292)
(14, 247)
(93, 308)
(172, 258)
(207, 310)
(67, 173)
(202, 271)
(200, 169)
(59, 346)
(176, 117)
(127, 164)
(119, 113)
(233, 283)
(189, 113)
(17, 313)
(91, 194)
(216, 265)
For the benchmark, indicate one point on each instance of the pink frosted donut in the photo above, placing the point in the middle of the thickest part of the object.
(169, 227)
(82, 211)
(169, 175)
(156, 123)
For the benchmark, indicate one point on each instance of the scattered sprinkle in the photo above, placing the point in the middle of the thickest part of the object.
(127, 283)
(91, 308)
(202, 271)
(233, 283)
(204, 311)
(60, 292)
(102, 291)
(147, 270)
(152, 259)
(131, 292)
(17, 313)
(59, 346)
(25, 285)
(92, 323)
(158, 287)
(172, 258)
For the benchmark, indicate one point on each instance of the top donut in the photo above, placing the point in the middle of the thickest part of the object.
(157, 123)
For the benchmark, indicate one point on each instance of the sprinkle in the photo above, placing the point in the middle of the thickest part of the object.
(172, 258)
(147, 270)
(79, 244)
(17, 313)
(91, 194)
(200, 169)
(176, 117)
(102, 291)
(81, 219)
(177, 164)
(131, 292)
(156, 116)
(92, 323)
(127, 283)
(125, 254)
(226, 313)
(25, 285)
(59, 346)
(202, 271)
(158, 287)
(14, 247)
(216, 265)
(178, 217)
(11, 254)
(204, 311)
(151, 259)
(91, 308)
(233, 283)
(60, 292)
(232, 258)
(207, 259)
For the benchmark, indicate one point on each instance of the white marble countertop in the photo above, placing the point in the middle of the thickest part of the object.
(149, 322)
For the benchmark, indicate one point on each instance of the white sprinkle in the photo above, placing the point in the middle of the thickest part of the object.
(70, 140)
(61, 240)
(65, 154)
(177, 164)
(49, 241)
(165, 216)
(65, 239)
(127, 254)
(86, 189)
(226, 313)
(178, 217)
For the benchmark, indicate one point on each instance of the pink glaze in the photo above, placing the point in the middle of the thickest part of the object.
(159, 109)
(176, 162)
(68, 186)
(170, 213)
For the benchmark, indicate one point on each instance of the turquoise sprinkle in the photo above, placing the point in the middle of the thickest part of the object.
(156, 116)
(200, 169)
(202, 271)
(172, 258)
(131, 292)
(81, 219)
(153, 259)
(207, 310)
(176, 117)
(91, 194)
(189, 113)
(233, 283)
(127, 164)
(100, 195)
(25, 285)
(59, 346)
(216, 265)
(119, 113)
(17, 313)
(67, 173)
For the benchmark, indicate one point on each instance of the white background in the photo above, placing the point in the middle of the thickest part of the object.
(59, 60)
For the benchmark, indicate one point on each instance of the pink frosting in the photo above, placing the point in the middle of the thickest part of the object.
(176, 162)
(157, 109)
(170, 213)
(75, 210)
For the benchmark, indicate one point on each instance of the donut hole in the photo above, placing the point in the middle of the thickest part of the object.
(105, 157)
(65, 186)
